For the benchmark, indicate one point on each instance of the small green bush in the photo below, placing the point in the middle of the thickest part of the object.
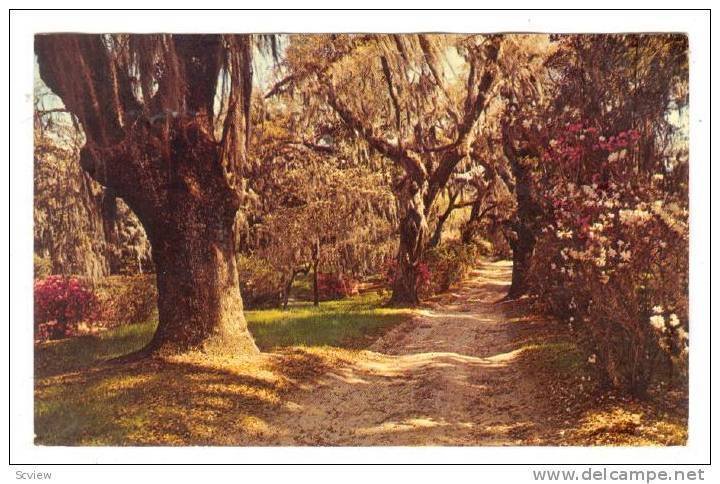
(125, 300)
(450, 262)
(261, 284)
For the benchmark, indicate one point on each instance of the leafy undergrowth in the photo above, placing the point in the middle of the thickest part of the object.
(194, 399)
(587, 413)
(583, 411)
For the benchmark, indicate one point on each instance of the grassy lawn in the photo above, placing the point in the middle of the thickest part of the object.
(348, 323)
(192, 399)
(352, 323)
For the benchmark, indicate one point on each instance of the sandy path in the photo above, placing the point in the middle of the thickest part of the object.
(445, 378)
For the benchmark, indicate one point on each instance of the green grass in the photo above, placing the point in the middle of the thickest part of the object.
(349, 323)
(562, 357)
(71, 354)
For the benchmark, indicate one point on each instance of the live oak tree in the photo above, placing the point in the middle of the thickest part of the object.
(165, 119)
(403, 95)
(519, 126)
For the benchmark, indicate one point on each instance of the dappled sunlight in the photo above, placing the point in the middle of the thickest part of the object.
(629, 423)
(172, 401)
(448, 376)
(407, 425)
(470, 372)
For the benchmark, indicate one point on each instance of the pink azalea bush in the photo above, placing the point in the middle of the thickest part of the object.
(424, 276)
(60, 304)
(336, 286)
(612, 257)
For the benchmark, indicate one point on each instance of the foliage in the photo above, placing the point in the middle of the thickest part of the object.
(449, 263)
(302, 192)
(60, 303)
(441, 267)
(261, 284)
(70, 306)
(336, 286)
(79, 227)
(613, 258)
(415, 100)
(422, 274)
(124, 300)
(68, 229)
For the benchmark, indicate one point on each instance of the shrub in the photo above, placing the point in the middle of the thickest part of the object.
(612, 261)
(60, 303)
(336, 286)
(261, 284)
(125, 300)
(450, 262)
(423, 276)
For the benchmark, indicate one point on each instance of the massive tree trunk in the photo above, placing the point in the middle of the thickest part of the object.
(190, 226)
(147, 106)
(199, 299)
(199, 302)
(413, 241)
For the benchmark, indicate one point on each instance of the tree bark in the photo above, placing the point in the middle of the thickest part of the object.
(413, 240)
(159, 152)
(315, 263)
(427, 168)
(522, 247)
(522, 242)
(199, 300)
(468, 230)
(437, 234)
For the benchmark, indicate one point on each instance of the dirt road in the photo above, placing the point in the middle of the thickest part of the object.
(447, 377)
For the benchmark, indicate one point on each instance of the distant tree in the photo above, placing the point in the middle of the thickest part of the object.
(67, 209)
(80, 227)
(400, 94)
(312, 208)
